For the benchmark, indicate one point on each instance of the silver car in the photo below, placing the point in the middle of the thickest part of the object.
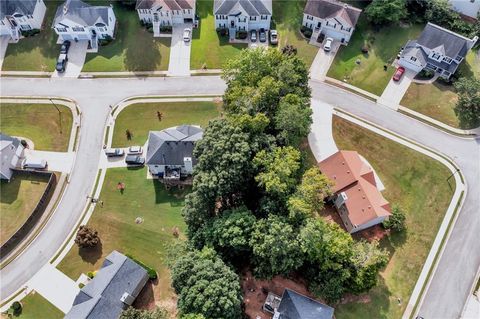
(135, 150)
(113, 152)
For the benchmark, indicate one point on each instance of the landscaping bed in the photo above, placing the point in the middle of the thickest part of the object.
(419, 185)
(47, 127)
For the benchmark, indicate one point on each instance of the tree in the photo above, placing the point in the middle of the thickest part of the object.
(275, 247)
(467, 108)
(277, 169)
(87, 237)
(386, 11)
(314, 188)
(396, 221)
(293, 132)
(132, 313)
(193, 316)
(289, 50)
(206, 286)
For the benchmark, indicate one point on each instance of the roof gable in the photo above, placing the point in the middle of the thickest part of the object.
(81, 13)
(165, 4)
(24, 7)
(444, 41)
(297, 306)
(329, 9)
(250, 7)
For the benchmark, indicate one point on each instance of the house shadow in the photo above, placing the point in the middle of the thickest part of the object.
(10, 190)
(173, 195)
(91, 255)
(146, 298)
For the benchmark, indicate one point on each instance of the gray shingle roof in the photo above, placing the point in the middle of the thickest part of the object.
(172, 145)
(100, 298)
(325, 9)
(167, 4)
(444, 41)
(297, 306)
(81, 13)
(251, 7)
(9, 7)
(8, 151)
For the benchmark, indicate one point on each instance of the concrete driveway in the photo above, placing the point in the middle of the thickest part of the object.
(179, 64)
(320, 138)
(76, 59)
(57, 161)
(322, 62)
(394, 92)
(3, 48)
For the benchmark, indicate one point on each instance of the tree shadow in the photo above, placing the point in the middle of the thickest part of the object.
(174, 196)
(143, 56)
(146, 298)
(91, 255)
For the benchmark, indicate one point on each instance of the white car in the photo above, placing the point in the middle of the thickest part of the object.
(114, 152)
(328, 44)
(186, 34)
(135, 150)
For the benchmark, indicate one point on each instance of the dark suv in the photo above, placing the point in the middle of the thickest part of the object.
(65, 46)
(134, 160)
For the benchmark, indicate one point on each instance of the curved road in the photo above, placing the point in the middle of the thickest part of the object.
(457, 267)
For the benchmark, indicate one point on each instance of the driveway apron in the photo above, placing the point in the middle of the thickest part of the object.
(395, 90)
(322, 62)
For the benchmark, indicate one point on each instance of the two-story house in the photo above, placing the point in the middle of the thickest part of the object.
(331, 18)
(17, 16)
(165, 12)
(76, 20)
(242, 15)
(437, 49)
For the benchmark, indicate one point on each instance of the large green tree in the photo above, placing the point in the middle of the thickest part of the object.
(468, 105)
(132, 313)
(386, 11)
(293, 119)
(314, 188)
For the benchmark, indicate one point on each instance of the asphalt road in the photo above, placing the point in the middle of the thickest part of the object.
(457, 267)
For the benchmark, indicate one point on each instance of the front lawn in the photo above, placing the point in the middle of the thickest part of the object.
(416, 182)
(383, 45)
(18, 198)
(37, 307)
(141, 118)
(48, 128)
(208, 49)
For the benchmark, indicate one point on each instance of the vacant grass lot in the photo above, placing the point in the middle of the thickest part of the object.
(37, 307)
(42, 123)
(208, 49)
(142, 118)
(383, 45)
(419, 185)
(18, 198)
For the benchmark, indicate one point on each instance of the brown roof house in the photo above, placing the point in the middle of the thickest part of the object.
(357, 197)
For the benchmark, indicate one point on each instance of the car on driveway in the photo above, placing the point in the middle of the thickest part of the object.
(187, 34)
(398, 74)
(114, 152)
(273, 37)
(253, 35)
(61, 63)
(135, 160)
(135, 150)
(328, 45)
(262, 35)
(65, 47)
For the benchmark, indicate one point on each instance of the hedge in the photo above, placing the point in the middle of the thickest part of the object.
(152, 273)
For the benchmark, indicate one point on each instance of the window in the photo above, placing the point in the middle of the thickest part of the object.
(447, 59)
(78, 29)
(61, 29)
(458, 58)
(436, 56)
(310, 18)
(263, 17)
(253, 18)
(413, 58)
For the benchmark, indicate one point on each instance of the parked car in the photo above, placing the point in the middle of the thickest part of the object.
(253, 35)
(34, 164)
(134, 160)
(398, 74)
(135, 150)
(65, 47)
(186, 34)
(328, 45)
(61, 63)
(114, 152)
(262, 35)
(273, 37)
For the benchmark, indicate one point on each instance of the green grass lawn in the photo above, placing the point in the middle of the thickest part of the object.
(416, 182)
(37, 307)
(38, 122)
(42, 123)
(115, 221)
(18, 198)
(37, 53)
(142, 118)
(207, 47)
(383, 48)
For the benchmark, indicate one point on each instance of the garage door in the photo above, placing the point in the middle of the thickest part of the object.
(67, 37)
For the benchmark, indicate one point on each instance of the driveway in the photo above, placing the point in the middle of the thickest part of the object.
(179, 64)
(394, 92)
(57, 161)
(320, 138)
(76, 59)
(322, 62)
(3, 48)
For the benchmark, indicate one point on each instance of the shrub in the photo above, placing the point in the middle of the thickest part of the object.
(397, 220)
(87, 237)
(105, 41)
(166, 28)
(307, 32)
(242, 34)
(222, 32)
(29, 33)
(152, 273)
(81, 285)
(90, 274)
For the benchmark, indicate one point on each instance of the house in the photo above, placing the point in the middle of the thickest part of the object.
(293, 305)
(20, 15)
(437, 49)
(113, 289)
(357, 197)
(170, 152)
(242, 15)
(470, 8)
(11, 152)
(165, 12)
(330, 18)
(79, 21)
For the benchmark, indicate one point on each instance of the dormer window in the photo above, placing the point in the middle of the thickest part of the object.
(447, 59)
(436, 56)
(413, 58)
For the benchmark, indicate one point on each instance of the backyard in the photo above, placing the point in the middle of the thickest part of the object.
(34, 306)
(418, 184)
(366, 70)
(141, 118)
(18, 198)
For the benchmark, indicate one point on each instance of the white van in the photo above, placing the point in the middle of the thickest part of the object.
(34, 164)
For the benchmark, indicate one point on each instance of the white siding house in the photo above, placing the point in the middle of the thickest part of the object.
(17, 16)
(165, 12)
(469, 8)
(331, 18)
(238, 15)
(78, 21)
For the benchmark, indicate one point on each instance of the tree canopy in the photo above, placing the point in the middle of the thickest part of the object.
(467, 108)
(132, 313)
(386, 11)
